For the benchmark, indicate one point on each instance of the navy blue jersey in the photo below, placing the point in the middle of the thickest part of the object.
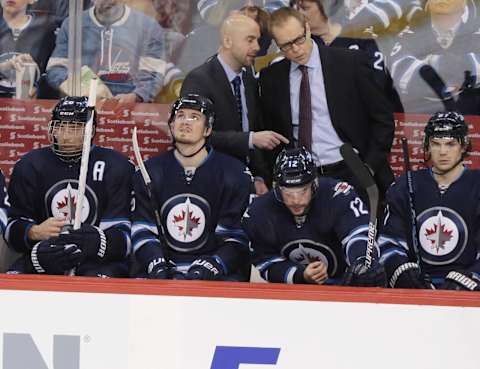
(200, 211)
(4, 204)
(335, 232)
(43, 186)
(450, 58)
(448, 224)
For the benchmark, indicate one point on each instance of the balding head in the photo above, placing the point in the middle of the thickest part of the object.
(237, 23)
(239, 36)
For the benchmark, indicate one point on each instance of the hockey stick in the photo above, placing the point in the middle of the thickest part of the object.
(368, 183)
(151, 195)
(411, 199)
(436, 83)
(87, 144)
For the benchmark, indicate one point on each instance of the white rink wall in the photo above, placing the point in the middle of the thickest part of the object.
(91, 330)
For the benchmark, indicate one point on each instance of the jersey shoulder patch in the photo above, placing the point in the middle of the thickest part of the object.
(341, 188)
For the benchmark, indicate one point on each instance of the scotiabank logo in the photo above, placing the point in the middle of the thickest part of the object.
(21, 352)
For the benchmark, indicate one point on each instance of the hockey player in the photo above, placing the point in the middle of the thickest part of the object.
(435, 64)
(43, 190)
(309, 229)
(447, 208)
(201, 195)
(4, 204)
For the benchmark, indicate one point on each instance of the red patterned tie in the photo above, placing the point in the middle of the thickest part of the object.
(305, 111)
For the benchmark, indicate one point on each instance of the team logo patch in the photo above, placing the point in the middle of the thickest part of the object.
(186, 217)
(442, 234)
(342, 188)
(305, 251)
(61, 202)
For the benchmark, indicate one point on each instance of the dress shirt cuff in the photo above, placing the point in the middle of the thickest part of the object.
(250, 141)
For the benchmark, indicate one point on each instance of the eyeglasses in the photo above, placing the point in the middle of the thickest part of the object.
(288, 46)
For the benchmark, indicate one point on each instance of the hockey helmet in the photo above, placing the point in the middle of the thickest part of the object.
(69, 116)
(196, 102)
(294, 167)
(446, 124)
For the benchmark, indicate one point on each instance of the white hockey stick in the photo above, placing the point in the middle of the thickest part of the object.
(368, 183)
(87, 144)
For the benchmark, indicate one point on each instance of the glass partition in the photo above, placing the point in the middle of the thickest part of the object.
(425, 52)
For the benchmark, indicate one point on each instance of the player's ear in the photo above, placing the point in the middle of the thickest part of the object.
(208, 131)
(307, 30)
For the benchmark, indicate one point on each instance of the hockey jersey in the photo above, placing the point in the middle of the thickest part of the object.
(334, 232)
(200, 211)
(4, 204)
(447, 225)
(43, 186)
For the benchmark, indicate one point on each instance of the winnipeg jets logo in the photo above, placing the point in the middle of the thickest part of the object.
(342, 188)
(186, 221)
(305, 251)
(67, 206)
(442, 234)
(307, 256)
(61, 202)
(438, 237)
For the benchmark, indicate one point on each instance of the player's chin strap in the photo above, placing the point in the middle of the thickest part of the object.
(191, 155)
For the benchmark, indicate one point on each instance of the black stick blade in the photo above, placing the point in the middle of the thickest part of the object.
(357, 167)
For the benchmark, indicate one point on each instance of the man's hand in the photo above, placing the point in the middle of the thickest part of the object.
(260, 187)
(268, 140)
(18, 61)
(130, 98)
(315, 273)
(47, 229)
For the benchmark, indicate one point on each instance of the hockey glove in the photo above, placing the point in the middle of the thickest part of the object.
(53, 256)
(90, 239)
(461, 281)
(206, 268)
(358, 275)
(161, 269)
(408, 275)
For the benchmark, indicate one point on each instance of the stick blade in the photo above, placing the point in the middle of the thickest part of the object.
(358, 168)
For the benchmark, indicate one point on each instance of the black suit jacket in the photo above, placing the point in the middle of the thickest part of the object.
(360, 112)
(210, 80)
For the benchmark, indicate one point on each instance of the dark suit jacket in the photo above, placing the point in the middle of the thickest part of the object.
(210, 80)
(359, 110)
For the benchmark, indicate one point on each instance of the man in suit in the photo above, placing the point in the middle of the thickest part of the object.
(227, 79)
(321, 97)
